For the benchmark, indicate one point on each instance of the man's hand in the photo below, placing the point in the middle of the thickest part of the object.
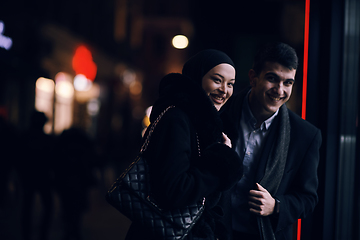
(261, 202)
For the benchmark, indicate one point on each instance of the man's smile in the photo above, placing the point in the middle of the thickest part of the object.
(275, 98)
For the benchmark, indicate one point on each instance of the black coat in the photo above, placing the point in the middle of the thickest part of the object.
(178, 176)
(297, 191)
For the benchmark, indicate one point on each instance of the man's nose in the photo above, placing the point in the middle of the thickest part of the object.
(279, 87)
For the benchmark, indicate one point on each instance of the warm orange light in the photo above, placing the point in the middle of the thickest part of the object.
(64, 89)
(44, 84)
(44, 100)
(83, 63)
(180, 41)
(135, 88)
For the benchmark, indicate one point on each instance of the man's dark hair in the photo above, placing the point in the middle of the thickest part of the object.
(277, 52)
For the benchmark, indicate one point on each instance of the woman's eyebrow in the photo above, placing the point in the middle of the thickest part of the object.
(218, 74)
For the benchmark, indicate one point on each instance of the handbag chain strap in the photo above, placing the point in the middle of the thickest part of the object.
(146, 143)
(198, 144)
(153, 125)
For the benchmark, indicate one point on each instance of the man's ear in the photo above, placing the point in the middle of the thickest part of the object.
(252, 77)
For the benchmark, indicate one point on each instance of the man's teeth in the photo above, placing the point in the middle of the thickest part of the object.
(275, 98)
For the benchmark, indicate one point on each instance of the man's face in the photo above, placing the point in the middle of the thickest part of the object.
(271, 88)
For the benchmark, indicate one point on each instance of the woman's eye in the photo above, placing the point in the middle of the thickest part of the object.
(217, 80)
(231, 84)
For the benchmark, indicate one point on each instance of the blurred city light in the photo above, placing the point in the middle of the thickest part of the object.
(64, 89)
(83, 63)
(129, 77)
(135, 88)
(81, 83)
(44, 99)
(5, 42)
(62, 76)
(93, 92)
(45, 84)
(63, 85)
(180, 41)
(93, 107)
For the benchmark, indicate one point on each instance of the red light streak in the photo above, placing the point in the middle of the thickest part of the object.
(298, 229)
(305, 72)
(306, 55)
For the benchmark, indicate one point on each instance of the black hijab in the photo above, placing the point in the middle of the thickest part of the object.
(194, 70)
(197, 66)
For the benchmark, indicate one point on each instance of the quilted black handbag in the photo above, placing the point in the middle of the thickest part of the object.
(130, 194)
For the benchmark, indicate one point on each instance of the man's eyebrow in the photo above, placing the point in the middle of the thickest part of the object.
(272, 74)
(277, 76)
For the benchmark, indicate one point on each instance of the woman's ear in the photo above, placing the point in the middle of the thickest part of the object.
(252, 77)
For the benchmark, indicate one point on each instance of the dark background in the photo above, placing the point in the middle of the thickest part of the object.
(136, 35)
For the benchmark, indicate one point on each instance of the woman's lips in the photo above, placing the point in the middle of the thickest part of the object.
(217, 98)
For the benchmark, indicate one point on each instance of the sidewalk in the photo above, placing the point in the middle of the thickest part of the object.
(100, 222)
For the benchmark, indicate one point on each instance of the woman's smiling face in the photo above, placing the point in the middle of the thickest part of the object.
(218, 84)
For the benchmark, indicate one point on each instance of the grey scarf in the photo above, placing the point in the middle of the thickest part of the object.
(275, 168)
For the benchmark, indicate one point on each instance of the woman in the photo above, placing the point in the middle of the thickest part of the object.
(178, 175)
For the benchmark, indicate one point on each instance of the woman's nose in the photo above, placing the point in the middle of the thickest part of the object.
(222, 88)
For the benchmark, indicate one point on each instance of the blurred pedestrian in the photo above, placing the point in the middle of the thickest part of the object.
(74, 176)
(35, 170)
(8, 141)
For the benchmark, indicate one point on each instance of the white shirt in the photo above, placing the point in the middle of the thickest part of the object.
(249, 147)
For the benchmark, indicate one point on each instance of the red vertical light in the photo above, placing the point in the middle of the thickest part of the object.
(298, 229)
(305, 72)
(306, 55)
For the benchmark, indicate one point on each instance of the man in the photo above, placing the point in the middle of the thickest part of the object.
(279, 150)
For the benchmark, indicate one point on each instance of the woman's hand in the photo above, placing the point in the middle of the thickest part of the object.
(227, 140)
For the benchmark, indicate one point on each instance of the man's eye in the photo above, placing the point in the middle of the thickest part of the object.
(271, 79)
(289, 83)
